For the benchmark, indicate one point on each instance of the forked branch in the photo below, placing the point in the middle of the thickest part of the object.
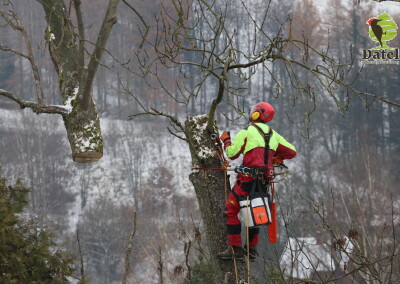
(108, 22)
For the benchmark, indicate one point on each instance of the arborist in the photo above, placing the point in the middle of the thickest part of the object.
(251, 143)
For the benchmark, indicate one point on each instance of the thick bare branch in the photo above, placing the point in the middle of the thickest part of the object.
(37, 108)
(218, 99)
(9, 49)
(81, 30)
(80, 255)
(61, 40)
(108, 22)
(144, 36)
(129, 251)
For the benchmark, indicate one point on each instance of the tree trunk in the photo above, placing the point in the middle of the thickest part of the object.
(209, 187)
(81, 122)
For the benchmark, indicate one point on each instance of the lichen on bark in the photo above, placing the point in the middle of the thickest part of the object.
(84, 134)
(82, 123)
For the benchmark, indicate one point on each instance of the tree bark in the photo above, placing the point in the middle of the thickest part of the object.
(75, 80)
(84, 134)
(209, 187)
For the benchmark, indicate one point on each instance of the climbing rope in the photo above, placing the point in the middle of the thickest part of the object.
(220, 151)
(235, 266)
(247, 238)
(226, 185)
(223, 160)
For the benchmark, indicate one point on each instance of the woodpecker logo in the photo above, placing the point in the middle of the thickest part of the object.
(381, 30)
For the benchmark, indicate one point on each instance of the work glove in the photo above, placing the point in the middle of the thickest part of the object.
(226, 138)
(277, 160)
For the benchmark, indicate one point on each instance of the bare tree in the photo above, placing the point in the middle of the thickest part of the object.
(198, 42)
(104, 232)
(76, 68)
(129, 251)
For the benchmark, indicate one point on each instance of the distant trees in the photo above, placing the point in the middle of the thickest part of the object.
(357, 219)
(368, 199)
(29, 253)
(37, 157)
(7, 68)
(103, 232)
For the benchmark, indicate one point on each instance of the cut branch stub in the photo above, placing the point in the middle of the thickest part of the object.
(84, 134)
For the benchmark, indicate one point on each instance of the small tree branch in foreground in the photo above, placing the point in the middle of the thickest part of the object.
(37, 108)
(129, 251)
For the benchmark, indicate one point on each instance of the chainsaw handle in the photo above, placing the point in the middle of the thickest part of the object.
(284, 170)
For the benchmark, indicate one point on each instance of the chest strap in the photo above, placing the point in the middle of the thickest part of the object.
(267, 137)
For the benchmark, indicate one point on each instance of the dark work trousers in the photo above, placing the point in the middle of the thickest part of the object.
(232, 208)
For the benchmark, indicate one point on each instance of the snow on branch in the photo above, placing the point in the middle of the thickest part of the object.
(37, 108)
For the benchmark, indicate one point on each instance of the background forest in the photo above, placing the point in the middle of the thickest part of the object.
(344, 179)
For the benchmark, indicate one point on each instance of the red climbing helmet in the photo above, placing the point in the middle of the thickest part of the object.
(262, 111)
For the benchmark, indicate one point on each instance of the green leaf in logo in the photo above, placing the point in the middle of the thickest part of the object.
(382, 29)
